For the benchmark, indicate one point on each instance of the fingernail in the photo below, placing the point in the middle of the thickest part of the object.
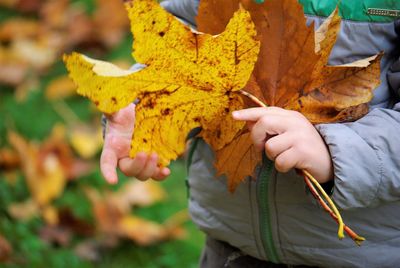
(165, 171)
(235, 114)
(112, 182)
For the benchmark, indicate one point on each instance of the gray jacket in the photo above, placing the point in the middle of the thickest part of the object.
(274, 217)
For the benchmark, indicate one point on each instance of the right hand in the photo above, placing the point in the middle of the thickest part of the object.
(116, 148)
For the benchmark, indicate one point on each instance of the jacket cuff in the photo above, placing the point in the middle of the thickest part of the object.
(357, 167)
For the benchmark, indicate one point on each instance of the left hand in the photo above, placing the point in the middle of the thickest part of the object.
(289, 139)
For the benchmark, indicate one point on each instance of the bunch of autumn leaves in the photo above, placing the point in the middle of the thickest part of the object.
(30, 46)
(195, 80)
(292, 72)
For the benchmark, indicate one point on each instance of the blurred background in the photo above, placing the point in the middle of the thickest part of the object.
(56, 210)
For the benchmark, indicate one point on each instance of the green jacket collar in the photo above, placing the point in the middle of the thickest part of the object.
(355, 10)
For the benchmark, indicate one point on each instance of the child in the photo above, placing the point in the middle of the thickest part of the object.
(272, 221)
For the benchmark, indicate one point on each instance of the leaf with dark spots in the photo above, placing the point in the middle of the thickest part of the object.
(191, 80)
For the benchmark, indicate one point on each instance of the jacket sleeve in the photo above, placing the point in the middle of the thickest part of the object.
(366, 154)
(185, 10)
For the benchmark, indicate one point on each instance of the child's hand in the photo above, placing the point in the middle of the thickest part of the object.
(289, 139)
(116, 151)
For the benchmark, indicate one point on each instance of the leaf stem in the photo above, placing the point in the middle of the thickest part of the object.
(311, 182)
(253, 98)
(328, 199)
(357, 239)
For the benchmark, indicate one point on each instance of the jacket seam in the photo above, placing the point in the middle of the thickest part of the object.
(378, 188)
(381, 169)
(375, 195)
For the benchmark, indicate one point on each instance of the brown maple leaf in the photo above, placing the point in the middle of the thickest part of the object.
(292, 72)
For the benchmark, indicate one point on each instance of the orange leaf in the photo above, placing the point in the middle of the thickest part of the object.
(113, 215)
(18, 28)
(110, 21)
(5, 250)
(45, 168)
(9, 159)
(237, 168)
(141, 231)
(59, 88)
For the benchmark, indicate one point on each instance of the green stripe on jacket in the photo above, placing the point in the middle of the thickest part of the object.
(355, 10)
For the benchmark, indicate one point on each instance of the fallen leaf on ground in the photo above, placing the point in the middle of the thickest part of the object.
(50, 215)
(55, 235)
(13, 69)
(45, 166)
(92, 249)
(60, 88)
(9, 159)
(86, 140)
(24, 211)
(71, 222)
(38, 55)
(28, 5)
(113, 217)
(17, 28)
(140, 193)
(5, 250)
(110, 21)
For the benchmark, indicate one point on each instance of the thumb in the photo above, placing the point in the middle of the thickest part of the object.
(124, 119)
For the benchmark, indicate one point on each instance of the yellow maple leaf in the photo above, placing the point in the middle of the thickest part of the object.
(190, 80)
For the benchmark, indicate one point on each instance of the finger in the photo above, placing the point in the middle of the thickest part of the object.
(286, 160)
(266, 127)
(150, 168)
(119, 145)
(122, 122)
(123, 115)
(277, 145)
(108, 165)
(161, 174)
(132, 167)
(254, 114)
(250, 125)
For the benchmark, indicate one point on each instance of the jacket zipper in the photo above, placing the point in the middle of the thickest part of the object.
(264, 210)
